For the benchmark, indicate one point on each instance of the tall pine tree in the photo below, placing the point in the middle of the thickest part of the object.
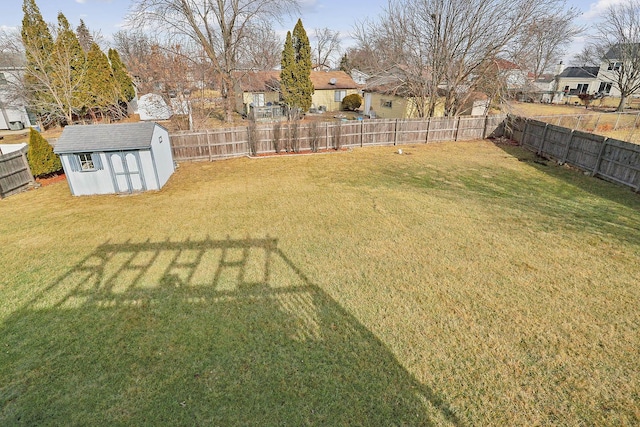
(84, 36)
(101, 86)
(302, 48)
(287, 73)
(295, 74)
(38, 45)
(68, 70)
(122, 79)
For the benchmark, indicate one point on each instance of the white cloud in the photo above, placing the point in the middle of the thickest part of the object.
(81, 1)
(598, 8)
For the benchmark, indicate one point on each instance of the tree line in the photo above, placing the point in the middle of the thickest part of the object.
(440, 52)
(67, 76)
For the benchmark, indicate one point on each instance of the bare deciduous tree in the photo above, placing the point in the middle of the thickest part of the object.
(541, 44)
(327, 47)
(220, 27)
(262, 56)
(616, 43)
(444, 44)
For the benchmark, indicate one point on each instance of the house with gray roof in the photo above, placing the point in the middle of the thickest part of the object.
(115, 158)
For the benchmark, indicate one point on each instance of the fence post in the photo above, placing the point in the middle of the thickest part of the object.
(577, 123)
(596, 167)
(455, 130)
(595, 126)
(426, 137)
(544, 138)
(326, 135)
(395, 133)
(362, 133)
(566, 151)
(484, 129)
(208, 144)
(23, 153)
(635, 123)
(524, 131)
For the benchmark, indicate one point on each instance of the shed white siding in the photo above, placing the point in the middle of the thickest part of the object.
(85, 183)
(162, 155)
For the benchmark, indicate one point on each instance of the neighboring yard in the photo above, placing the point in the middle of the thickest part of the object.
(459, 284)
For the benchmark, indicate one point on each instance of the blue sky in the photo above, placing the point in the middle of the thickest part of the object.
(107, 16)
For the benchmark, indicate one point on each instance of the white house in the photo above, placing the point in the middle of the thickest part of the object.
(13, 113)
(116, 158)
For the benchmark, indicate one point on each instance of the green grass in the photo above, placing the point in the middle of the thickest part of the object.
(459, 284)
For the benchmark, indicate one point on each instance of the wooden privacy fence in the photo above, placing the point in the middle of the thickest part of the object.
(15, 175)
(608, 158)
(311, 136)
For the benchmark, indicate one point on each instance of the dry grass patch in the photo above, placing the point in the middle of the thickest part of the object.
(459, 283)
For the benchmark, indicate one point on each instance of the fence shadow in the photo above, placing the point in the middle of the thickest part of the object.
(208, 332)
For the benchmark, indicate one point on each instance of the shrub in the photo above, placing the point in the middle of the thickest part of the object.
(351, 102)
(42, 160)
(276, 137)
(253, 138)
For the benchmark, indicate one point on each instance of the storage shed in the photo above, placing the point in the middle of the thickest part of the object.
(117, 158)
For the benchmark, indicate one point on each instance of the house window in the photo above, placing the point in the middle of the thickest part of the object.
(386, 103)
(566, 89)
(86, 162)
(614, 66)
(582, 88)
(604, 88)
(3, 79)
(258, 99)
(338, 95)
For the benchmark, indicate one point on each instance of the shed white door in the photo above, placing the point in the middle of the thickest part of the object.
(127, 172)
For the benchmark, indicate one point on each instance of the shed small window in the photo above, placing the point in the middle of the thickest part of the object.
(338, 95)
(386, 103)
(85, 162)
(160, 139)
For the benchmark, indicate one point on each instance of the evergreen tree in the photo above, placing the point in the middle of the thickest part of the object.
(101, 84)
(38, 45)
(295, 74)
(42, 160)
(302, 48)
(68, 70)
(344, 64)
(36, 36)
(84, 36)
(121, 76)
(287, 73)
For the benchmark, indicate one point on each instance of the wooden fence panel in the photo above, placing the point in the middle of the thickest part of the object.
(15, 175)
(584, 149)
(411, 132)
(621, 163)
(470, 128)
(556, 141)
(379, 132)
(442, 129)
(533, 134)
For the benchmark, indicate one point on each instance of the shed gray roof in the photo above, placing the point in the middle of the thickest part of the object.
(115, 137)
(581, 72)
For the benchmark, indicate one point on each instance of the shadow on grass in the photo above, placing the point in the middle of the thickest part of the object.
(210, 332)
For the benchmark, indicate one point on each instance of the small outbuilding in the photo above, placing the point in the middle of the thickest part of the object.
(116, 158)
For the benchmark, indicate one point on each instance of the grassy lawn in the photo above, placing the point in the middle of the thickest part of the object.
(459, 284)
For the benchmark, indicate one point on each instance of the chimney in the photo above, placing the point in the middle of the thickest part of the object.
(559, 68)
